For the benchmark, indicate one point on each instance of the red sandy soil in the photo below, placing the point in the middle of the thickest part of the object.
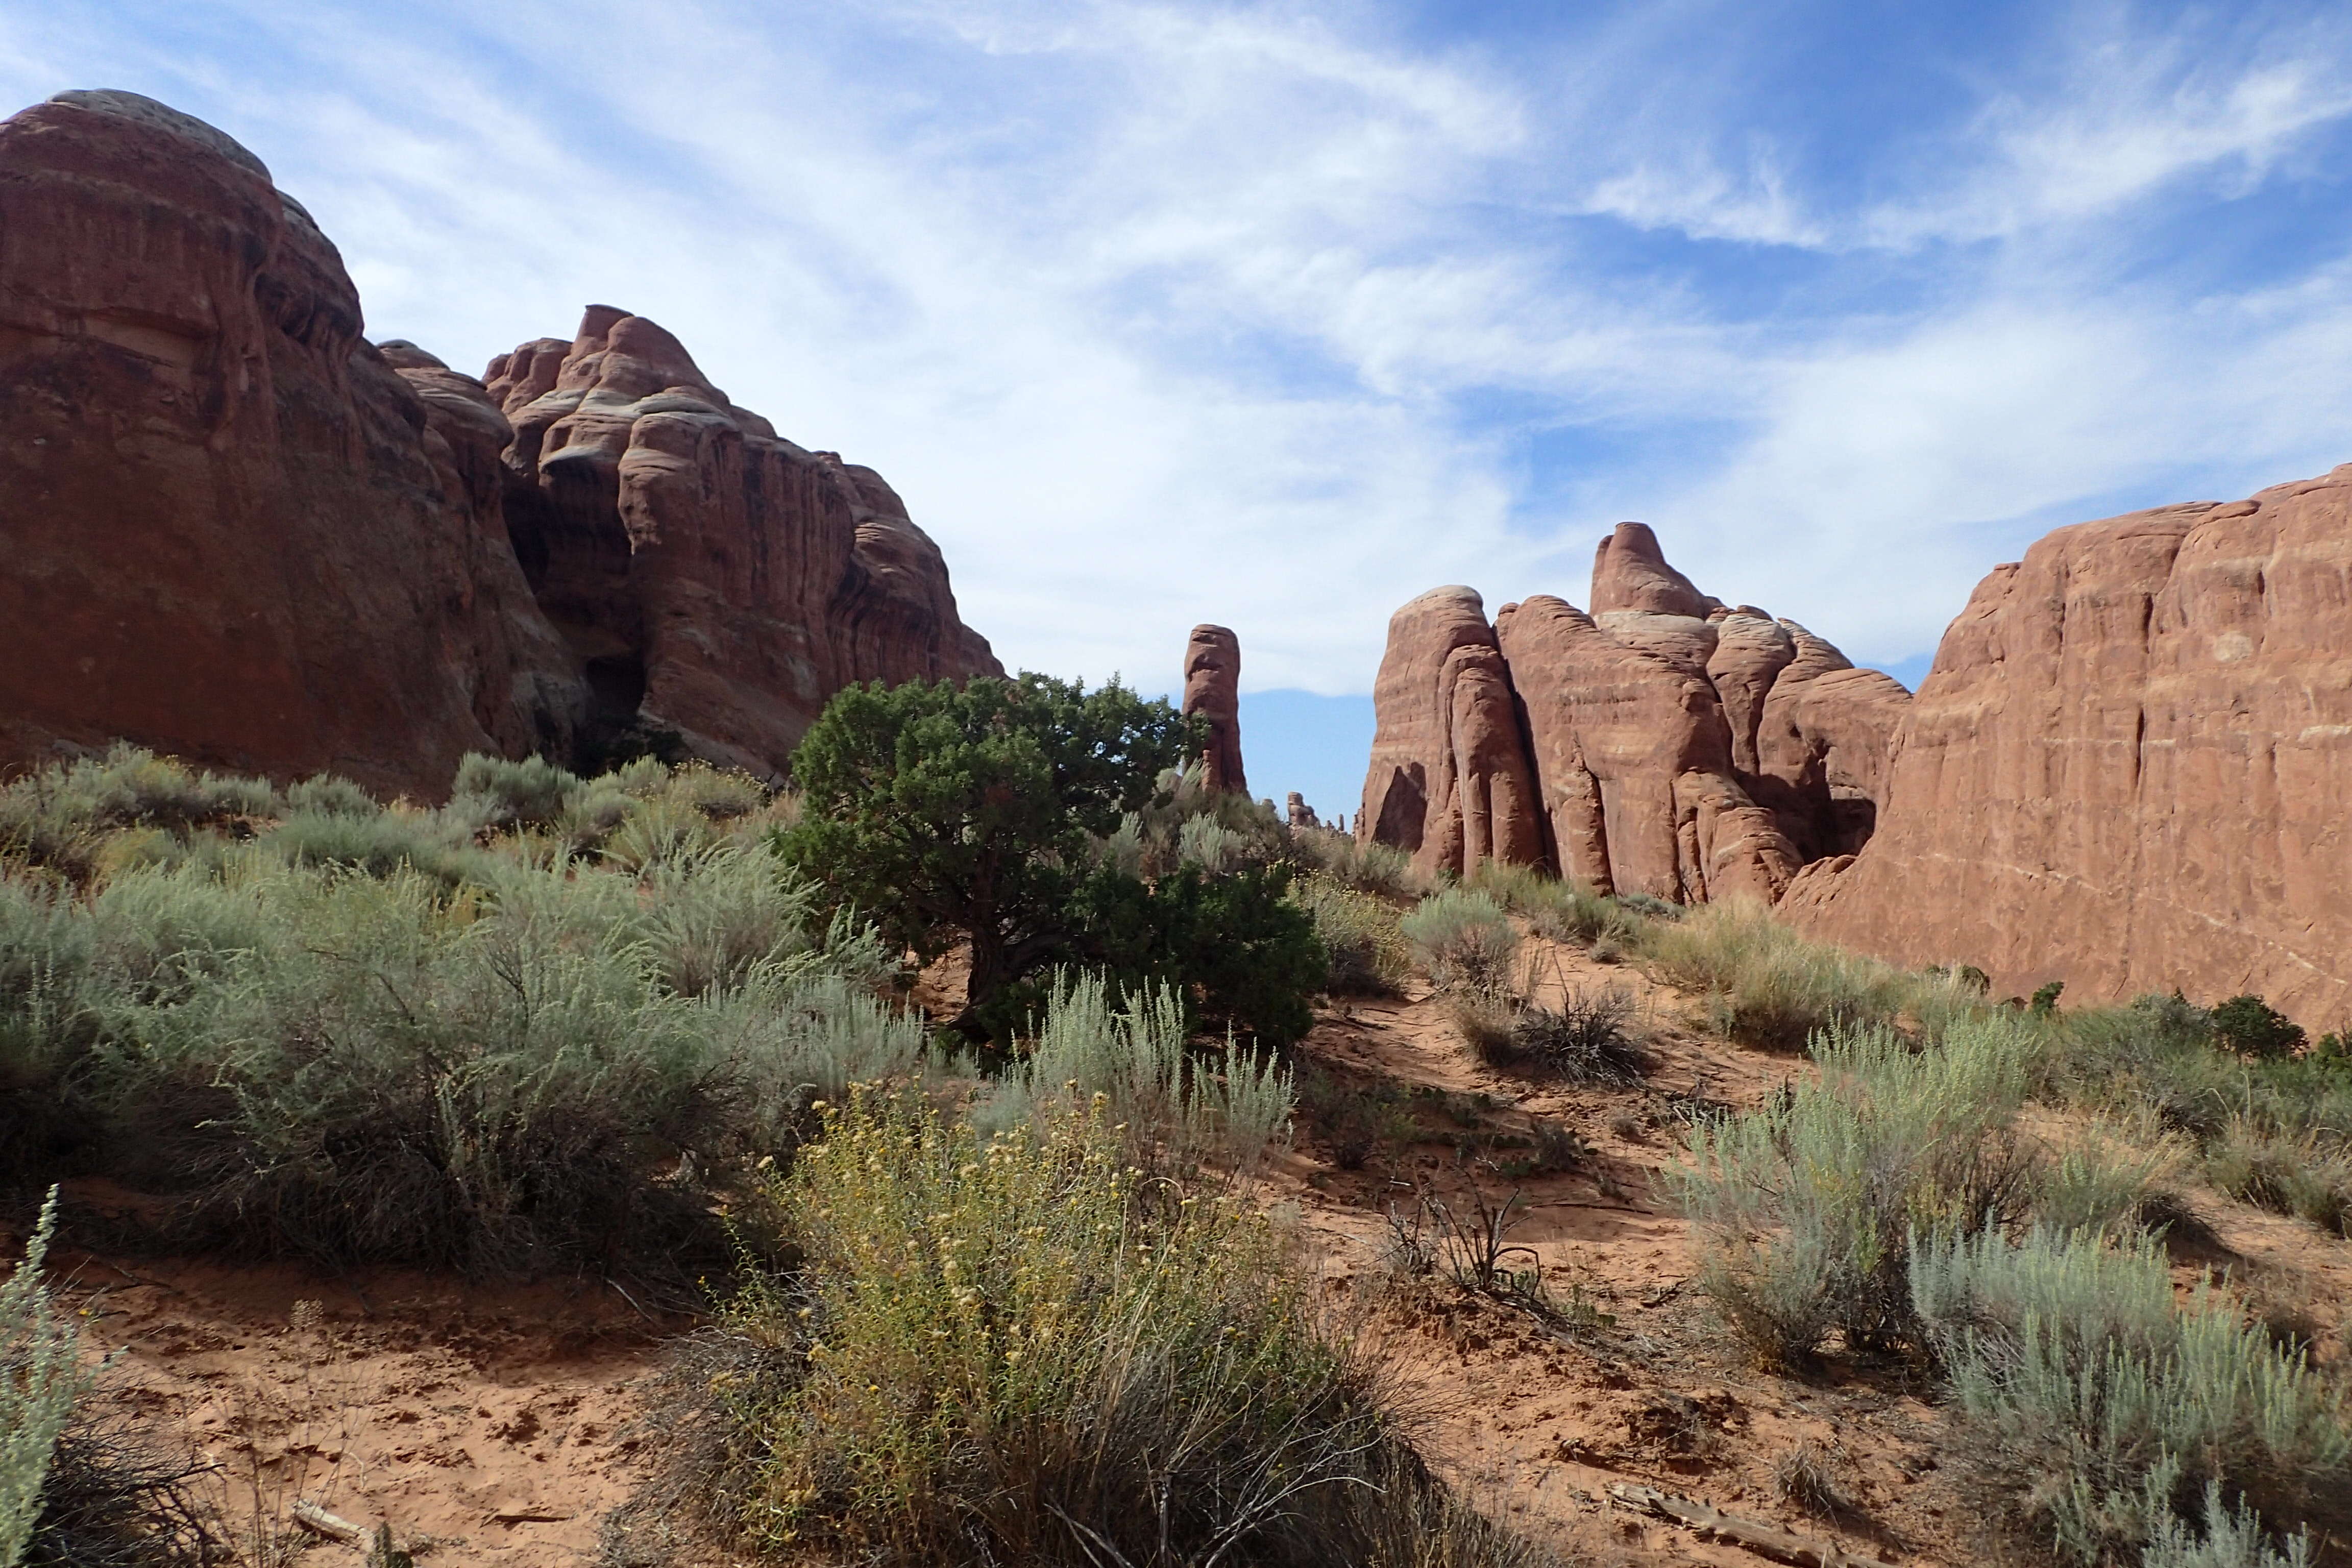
(493, 1425)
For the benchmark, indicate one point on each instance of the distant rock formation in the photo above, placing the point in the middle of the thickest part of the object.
(2129, 769)
(1449, 783)
(1212, 674)
(238, 532)
(1663, 744)
(1299, 813)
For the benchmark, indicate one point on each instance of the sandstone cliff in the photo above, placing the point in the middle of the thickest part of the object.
(231, 526)
(2130, 767)
(1663, 744)
(239, 532)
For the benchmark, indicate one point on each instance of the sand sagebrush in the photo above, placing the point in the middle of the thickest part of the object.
(2103, 1411)
(361, 1035)
(1807, 1203)
(1464, 940)
(41, 1376)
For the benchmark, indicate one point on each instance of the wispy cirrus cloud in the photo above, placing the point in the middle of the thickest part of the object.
(1277, 314)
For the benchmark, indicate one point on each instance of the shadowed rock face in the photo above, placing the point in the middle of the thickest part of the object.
(1212, 674)
(238, 532)
(712, 577)
(2130, 768)
(233, 530)
(1663, 744)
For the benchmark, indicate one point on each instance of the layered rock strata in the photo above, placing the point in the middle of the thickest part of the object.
(235, 531)
(1212, 675)
(1664, 743)
(2130, 767)
(239, 532)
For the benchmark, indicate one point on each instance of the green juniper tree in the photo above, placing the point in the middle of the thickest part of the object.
(946, 812)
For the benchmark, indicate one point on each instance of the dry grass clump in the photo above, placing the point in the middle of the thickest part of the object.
(1802, 1480)
(1585, 1040)
(2107, 1418)
(1367, 866)
(1568, 911)
(1359, 932)
(1014, 1351)
(1464, 940)
(1766, 987)
(2309, 1177)
(2275, 1132)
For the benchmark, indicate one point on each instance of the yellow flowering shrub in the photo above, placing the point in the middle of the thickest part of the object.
(1021, 1350)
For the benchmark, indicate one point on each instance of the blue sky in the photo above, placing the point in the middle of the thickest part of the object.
(1277, 315)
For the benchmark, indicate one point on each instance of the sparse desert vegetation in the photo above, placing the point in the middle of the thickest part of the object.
(1038, 1288)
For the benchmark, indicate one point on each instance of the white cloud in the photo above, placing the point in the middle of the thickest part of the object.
(1704, 202)
(2129, 113)
(1164, 313)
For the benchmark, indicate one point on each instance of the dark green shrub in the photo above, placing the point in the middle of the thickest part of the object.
(2045, 999)
(946, 812)
(2250, 1027)
(1240, 954)
(1583, 1040)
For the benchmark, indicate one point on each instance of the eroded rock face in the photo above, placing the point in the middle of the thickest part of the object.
(2130, 768)
(233, 530)
(714, 578)
(238, 532)
(1663, 753)
(1450, 781)
(1213, 673)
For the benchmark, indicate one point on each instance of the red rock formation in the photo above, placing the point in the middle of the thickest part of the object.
(238, 532)
(2130, 768)
(1630, 573)
(1213, 673)
(1826, 736)
(715, 578)
(1668, 757)
(1298, 814)
(1635, 758)
(1449, 782)
(234, 531)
